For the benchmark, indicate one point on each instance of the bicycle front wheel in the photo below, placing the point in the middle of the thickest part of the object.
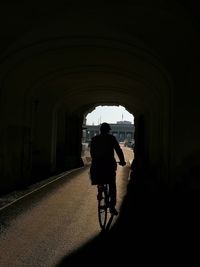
(103, 207)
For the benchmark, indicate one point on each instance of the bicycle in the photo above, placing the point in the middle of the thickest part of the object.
(103, 198)
(103, 206)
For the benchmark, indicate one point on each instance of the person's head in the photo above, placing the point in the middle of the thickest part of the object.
(105, 127)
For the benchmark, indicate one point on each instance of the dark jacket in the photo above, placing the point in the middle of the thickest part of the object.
(102, 150)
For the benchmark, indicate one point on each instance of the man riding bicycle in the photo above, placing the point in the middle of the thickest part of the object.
(103, 167)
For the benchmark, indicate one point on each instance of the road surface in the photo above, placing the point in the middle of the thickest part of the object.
(43, 227)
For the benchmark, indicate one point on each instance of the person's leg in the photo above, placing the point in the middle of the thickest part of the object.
(112, 193)
(99, 190)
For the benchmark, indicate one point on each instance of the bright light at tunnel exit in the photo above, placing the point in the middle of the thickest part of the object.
(109, 114)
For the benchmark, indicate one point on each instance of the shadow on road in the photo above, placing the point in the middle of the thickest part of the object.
(150, 227)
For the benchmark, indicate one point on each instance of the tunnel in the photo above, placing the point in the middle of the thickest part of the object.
(59, 62)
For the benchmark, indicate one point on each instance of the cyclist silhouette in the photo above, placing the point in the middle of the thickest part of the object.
(103, 166)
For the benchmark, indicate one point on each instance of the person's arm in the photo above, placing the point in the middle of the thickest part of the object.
(119, 152)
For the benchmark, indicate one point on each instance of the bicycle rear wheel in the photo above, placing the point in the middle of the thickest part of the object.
(103, 205)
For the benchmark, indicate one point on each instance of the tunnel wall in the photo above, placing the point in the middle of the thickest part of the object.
(151, 65)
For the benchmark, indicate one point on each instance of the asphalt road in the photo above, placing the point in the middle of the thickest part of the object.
(47, 226)
(57, 225)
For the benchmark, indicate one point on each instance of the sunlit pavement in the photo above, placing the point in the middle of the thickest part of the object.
(45, 226)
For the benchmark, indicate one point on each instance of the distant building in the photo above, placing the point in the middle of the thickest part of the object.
(122, 130)
(123, 122)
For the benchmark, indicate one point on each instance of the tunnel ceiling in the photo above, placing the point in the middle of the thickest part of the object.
(81, 56)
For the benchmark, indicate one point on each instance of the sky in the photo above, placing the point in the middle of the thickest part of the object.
(109, 114)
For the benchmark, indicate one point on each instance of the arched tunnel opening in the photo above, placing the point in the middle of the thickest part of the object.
(121, 123)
